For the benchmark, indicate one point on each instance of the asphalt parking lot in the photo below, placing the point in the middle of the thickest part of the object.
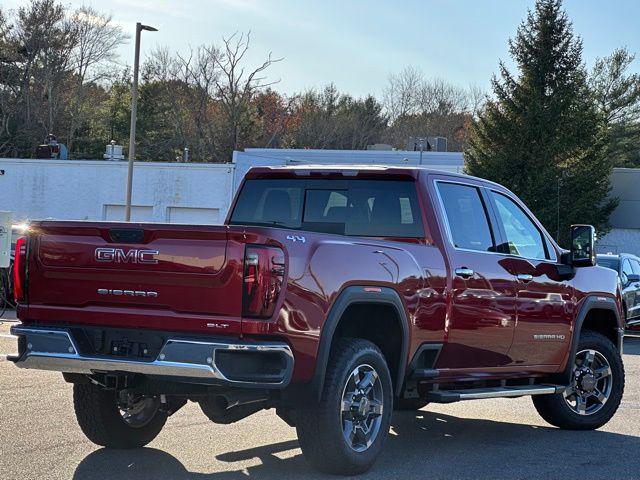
(505, 439)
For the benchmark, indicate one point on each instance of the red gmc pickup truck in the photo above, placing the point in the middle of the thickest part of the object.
(333, 294)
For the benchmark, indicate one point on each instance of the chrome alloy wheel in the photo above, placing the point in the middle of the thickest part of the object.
(138, 413)
(362, 406)
(591, 383)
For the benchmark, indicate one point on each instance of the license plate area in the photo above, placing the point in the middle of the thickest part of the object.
(127, 344)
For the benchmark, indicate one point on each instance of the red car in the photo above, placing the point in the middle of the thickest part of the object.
(332, 294)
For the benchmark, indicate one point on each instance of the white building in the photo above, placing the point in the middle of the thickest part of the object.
(196, 193)
(200, 193)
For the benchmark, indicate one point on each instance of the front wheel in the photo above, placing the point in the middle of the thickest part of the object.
(344, 433)
(597, 384)
(115, 420)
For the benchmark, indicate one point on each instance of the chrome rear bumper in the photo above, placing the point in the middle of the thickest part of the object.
(181, 358)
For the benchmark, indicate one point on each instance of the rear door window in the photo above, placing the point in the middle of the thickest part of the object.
(374, 208)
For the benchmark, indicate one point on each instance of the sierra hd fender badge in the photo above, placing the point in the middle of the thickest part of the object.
(548, 336)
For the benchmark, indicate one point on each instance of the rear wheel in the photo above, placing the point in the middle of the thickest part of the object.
(597, 384)
(344, 433)
(117, 420)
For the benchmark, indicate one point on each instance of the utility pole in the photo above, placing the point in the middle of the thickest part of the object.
(558, 212)
(134, 116)
(562, 176)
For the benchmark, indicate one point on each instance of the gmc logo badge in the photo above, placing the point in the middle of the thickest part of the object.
(118, 255)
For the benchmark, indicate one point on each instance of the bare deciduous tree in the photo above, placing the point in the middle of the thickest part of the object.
(95, 40)
(418, 107)
(401, 96)
(211, 94)
(236, 87)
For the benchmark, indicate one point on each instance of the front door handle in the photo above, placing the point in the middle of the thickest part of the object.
(464, 272)
(525, 277)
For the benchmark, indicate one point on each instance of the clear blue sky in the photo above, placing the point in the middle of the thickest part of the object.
(356, 44)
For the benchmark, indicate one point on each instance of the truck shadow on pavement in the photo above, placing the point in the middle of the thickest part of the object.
(421, 445)
(631, 345)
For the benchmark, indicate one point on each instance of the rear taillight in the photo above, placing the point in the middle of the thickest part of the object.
(262, 280)
(20, 270)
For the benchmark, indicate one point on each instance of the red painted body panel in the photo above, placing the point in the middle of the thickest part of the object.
(485, 323)
(194, 282)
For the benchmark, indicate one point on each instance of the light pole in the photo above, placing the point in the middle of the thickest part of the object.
(562, 176)
(134, 114)
(421, 141)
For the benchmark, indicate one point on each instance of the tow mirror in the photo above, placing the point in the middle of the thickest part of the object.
(583, 252)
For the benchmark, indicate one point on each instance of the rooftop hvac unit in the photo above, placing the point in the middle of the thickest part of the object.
(427, 144)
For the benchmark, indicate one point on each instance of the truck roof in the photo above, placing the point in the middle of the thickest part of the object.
(341, 170)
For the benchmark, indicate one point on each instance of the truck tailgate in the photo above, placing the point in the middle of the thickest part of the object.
(157, 276)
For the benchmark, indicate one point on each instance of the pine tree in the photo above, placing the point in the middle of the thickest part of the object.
(542, 135)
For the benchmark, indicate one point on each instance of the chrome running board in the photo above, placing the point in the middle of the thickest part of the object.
(449, 396)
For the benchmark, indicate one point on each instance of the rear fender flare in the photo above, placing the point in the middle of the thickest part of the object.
(357, 295)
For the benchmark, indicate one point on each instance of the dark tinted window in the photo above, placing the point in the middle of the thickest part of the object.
(524, 239)
(376, 208)
(609, 262)
(269, 202)
(626, 269)
(385, 209)
(466, 216)
(328, 206)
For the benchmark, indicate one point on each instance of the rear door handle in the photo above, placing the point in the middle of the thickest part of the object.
(464, 272)
(525, 277)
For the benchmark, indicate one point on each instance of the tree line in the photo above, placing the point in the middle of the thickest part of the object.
(551, 130)
(60, 74)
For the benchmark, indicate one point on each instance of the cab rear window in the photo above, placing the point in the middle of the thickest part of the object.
(370, 208)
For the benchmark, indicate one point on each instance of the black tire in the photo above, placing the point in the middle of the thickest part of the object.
(409, 404)
(555, 410)
(319, 427)
(100, 419)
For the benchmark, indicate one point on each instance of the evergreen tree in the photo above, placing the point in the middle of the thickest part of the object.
(617, 94)
(542, 135)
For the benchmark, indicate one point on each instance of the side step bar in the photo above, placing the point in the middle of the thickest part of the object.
(449, 396)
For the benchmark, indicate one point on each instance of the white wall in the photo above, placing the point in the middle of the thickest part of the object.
(194, 193)
(620, 240)
(95, 190)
